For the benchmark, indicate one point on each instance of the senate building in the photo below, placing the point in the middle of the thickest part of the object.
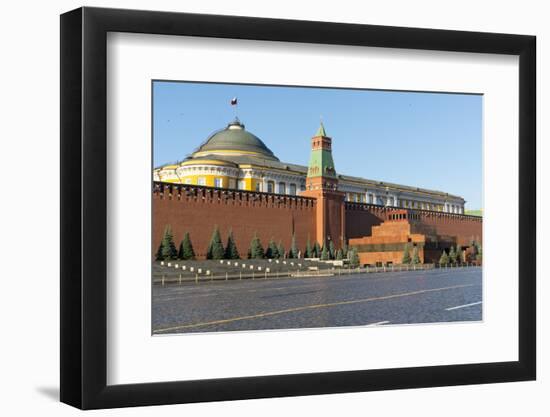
(234, 158)
(233, 182)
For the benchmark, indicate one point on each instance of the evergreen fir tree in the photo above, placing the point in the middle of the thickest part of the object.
(324, 253)
(452, 255)
(256, 249)
(231, 251)
(169, 250)
(272, 252)
(331, 250)
(459, 255)
(353, 258)
(215, 247)
(339, 255)
(406, 258)
(186, 248)
(474, 248)
(317, 250)
(415, 256)
(444, 260)
(293, 252)
(309, 249)
(345, 250)
(281, 250)
(158, 255)
(479, 254)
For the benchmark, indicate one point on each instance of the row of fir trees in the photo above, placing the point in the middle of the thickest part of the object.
(457, 255)
(216, 250)
(407, 258)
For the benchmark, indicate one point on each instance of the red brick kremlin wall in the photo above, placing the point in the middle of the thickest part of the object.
(197, 210)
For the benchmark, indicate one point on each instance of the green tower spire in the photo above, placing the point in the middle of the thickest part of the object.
(321, 131)
(321, 163)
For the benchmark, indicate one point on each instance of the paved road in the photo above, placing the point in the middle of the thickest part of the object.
(348, 300)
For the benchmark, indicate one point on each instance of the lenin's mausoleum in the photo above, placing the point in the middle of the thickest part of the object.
(235, 182)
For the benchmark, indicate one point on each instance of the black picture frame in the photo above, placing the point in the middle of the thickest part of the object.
(84, 207)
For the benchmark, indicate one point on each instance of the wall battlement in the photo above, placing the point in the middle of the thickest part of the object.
(185, 192)
(385, 211)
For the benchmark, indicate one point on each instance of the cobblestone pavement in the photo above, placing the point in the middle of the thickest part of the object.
(349, 300)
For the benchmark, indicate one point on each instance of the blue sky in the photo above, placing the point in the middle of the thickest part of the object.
(424, 140)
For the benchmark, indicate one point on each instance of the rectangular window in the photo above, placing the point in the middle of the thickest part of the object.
(201, 181)
(292, 190)
(258, 186)
(270, 187)
(242, 185)
(188, 180)
(282, 188)
(218, 182)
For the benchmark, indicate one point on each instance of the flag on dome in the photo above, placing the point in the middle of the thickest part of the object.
(234, 101)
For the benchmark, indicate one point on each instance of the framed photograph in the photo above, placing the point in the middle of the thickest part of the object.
(257, 208)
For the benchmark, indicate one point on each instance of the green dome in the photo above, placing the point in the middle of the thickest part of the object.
(231, 140)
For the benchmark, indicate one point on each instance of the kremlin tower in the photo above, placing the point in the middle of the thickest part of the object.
(322, 184)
